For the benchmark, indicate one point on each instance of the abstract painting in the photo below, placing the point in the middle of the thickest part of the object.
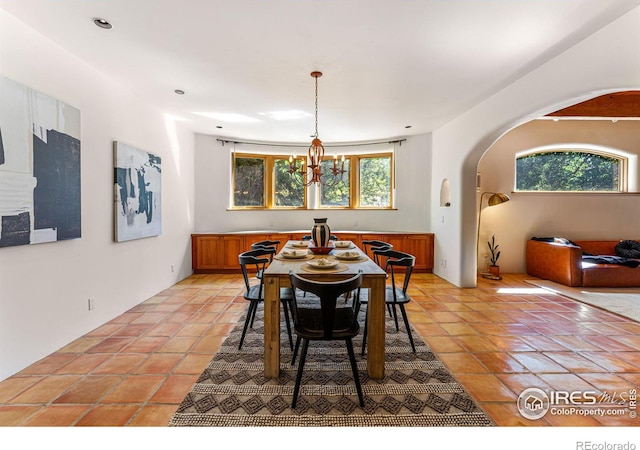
(39, 167)
(138, 212)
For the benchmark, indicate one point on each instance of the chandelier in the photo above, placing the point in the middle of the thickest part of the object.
(315, 154)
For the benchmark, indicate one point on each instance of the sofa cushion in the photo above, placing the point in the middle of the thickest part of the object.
(628, 249)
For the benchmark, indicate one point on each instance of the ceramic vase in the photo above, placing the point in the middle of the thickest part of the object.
(320, 233)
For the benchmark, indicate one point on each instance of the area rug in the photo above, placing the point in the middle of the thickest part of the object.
(417, 390)
(622, 301)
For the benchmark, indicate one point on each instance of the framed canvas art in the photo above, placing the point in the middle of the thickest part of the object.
(39, 167)
(138, 194)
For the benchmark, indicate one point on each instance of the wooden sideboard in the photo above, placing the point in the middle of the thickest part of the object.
(218, 252)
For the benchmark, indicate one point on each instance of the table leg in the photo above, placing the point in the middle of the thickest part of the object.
(376, 328)
(271, 327)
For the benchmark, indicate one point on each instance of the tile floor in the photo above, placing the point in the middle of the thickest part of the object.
(497, 339)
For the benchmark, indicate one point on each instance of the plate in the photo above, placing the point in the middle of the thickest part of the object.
(323, 263)
(293, 254)
(300, 244)
(349, 256)
(342, 244)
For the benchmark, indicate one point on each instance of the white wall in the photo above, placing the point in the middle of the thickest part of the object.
(213, 164)
(606, 61)
(44, 288)
(574, 216)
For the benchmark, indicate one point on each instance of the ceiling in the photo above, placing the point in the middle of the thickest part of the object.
(390, 68)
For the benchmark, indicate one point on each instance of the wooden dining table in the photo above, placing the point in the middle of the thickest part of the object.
(276, 276)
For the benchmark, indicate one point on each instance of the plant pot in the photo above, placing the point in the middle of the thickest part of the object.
(494, 270)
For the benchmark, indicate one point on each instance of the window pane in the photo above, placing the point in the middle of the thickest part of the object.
(375, 181)
(335, 191)
(289, 190)
(249, 182)
(567, 171)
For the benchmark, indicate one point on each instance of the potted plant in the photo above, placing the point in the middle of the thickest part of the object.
(494, 268)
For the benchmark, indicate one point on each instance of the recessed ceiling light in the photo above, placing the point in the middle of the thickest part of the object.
(179, 91)
(102, 23)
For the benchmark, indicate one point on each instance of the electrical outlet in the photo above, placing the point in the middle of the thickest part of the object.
(172, 269)
(92, 304)
(443, 263)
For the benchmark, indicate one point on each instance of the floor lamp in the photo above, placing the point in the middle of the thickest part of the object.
(496, 198)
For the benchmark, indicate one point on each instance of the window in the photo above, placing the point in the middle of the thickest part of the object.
(266, 182)
(288, 188)
(248, 181)
(337, 191)
(570, 170)
(375, 181)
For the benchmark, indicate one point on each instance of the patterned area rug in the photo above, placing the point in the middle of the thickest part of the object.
(621, 301)
(417, 390)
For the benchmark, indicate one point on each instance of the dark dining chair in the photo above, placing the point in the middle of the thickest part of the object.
(396, 296)
(370, 246)
(257, 260)
(307, 237)
(325, 319)
(267, 243)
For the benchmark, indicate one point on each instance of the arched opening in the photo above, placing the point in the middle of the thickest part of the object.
(607, 121)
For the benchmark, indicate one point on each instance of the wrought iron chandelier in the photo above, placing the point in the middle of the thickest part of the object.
(316, 153)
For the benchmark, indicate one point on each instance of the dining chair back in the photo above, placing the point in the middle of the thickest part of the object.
(396, 295)
(322, 318)
(370, 246)
(255, 261)
(266, 243)
(307, 237)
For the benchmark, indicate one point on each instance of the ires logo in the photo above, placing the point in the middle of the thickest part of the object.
(534, 403)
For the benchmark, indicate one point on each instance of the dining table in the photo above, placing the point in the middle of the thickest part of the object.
(343, 261)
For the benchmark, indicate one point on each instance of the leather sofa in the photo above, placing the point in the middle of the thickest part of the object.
(562, 263)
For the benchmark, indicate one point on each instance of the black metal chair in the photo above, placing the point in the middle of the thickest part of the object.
(307, 237)
(325, 320)
(267, 243)
(370, 246)
(254, 293)
(395, 296)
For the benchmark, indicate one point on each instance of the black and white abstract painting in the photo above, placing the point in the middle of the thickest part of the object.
(138, 196)
(39, 167)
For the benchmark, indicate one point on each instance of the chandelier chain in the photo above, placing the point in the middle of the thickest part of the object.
(316, 106)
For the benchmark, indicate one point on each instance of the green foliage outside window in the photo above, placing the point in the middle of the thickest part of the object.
(567, 171)
(289, 190)
(375, 181)
(249, 182)
(337, 190)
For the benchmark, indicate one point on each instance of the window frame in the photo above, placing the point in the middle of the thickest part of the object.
(392, 180)
(269, 187)
(623, 161)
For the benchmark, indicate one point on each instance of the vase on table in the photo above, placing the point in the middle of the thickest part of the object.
(320, 233)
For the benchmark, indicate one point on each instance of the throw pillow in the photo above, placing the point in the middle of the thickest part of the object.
(628, 249)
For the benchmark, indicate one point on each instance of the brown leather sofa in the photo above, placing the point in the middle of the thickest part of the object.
(563, 264)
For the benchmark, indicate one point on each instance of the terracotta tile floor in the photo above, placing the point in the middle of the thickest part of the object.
(497, 339)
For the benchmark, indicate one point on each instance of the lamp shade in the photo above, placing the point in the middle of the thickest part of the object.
(497, 198)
